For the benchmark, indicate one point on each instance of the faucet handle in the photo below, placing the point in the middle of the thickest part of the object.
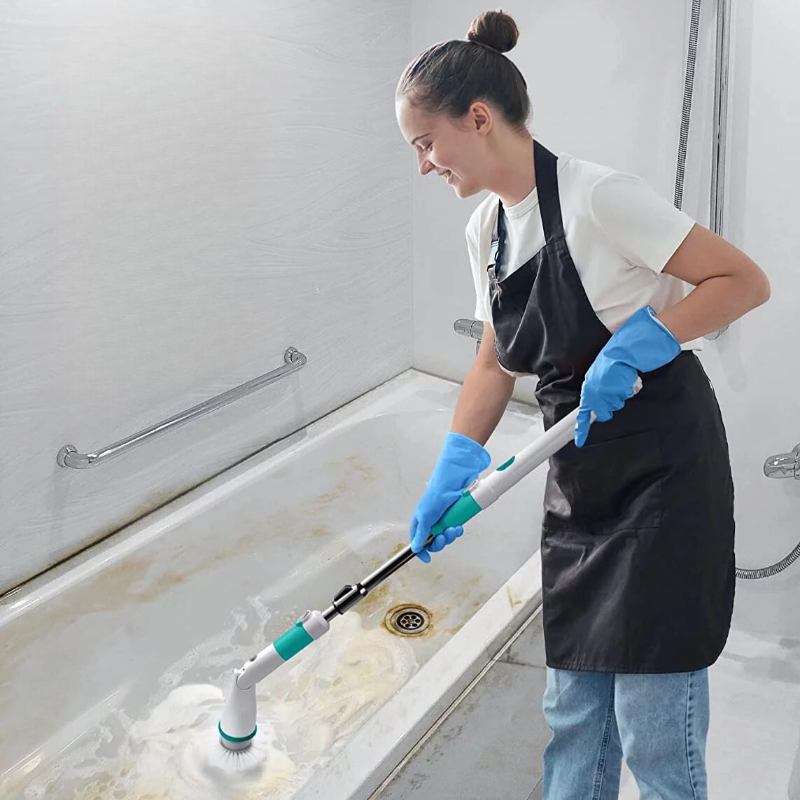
(784, 465)
(470, 327)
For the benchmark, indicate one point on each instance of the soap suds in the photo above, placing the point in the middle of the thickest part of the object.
(306, 711)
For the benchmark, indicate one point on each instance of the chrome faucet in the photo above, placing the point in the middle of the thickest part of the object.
(470, 327)
(785, 465)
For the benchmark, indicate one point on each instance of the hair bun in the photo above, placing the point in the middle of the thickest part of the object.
(495, 29)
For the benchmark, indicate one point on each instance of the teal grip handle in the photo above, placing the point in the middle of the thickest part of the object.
(292, 642)
(463, 510)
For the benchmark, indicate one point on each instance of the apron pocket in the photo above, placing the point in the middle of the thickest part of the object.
(607, 486)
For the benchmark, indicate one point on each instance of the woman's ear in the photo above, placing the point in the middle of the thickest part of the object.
(480, 118)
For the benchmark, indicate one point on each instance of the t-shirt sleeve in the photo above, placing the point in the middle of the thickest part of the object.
(644, 227)
(481, 287)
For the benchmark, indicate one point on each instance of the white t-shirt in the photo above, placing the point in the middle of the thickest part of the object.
(619, 231)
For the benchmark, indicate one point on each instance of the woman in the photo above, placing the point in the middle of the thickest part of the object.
(579, 275)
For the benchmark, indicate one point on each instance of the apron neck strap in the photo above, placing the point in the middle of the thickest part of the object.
(546, 166)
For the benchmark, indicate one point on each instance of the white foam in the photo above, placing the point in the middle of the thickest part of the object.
(306, 710)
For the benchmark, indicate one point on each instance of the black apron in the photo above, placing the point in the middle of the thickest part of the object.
(637, 535)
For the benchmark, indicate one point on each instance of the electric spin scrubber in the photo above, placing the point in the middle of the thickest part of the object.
(238, 724)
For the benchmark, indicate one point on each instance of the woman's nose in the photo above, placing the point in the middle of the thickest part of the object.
(425, 166)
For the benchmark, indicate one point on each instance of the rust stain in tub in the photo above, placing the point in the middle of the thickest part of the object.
(376, 600)
(114, 588)
(355, 469)
(512, 601)
(319, 532)
(125, 584)
(395, 550)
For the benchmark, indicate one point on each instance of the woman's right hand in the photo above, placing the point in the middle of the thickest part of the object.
(460, 462)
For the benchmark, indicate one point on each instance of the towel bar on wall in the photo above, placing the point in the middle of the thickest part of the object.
(68, 456)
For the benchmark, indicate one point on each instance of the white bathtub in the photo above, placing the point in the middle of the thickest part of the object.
(114, 665)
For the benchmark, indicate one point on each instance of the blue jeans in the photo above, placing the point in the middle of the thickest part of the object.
(659, 723)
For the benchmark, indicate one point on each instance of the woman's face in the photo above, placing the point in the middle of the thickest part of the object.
(452, 148)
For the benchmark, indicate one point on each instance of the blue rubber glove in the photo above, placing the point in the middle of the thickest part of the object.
(461, 460)
(641, 344)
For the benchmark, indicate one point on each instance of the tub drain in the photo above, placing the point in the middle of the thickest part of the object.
(408, 620)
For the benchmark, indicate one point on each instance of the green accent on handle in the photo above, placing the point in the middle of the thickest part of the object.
(235, 738)
(292, 642)
(507, 464)
(463, 510)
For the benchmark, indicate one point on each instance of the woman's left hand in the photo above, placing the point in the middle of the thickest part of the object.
(641, 344)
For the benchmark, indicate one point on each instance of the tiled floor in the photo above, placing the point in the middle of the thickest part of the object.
(490, 747)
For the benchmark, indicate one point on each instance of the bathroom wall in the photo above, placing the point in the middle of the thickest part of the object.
(188, 190)
(606, 82)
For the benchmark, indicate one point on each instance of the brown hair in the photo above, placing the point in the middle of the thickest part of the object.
(449, 77)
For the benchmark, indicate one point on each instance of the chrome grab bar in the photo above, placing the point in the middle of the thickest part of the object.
(785, 465)
(68, 455)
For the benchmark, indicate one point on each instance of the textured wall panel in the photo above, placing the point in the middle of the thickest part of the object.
(188, 189)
